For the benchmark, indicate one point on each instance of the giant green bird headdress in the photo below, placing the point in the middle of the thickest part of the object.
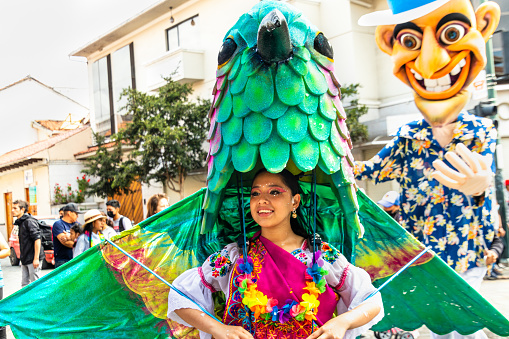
(277, 105)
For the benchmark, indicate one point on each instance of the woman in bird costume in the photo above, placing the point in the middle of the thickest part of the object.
(276, 106)
(280, 286)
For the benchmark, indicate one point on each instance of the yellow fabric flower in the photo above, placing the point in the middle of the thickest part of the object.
(310, 315)
(253, 298)
(312, 289)
(309, 301)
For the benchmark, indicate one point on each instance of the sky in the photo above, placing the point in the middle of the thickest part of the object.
(37, 36)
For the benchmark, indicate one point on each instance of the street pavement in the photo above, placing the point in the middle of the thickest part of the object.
(495, 291)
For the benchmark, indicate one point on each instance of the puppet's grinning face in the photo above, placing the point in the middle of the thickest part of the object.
(440, 54)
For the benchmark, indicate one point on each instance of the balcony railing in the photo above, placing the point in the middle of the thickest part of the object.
(184, 65)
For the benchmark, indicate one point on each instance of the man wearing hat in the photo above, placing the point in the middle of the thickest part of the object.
(444, 161)
(62, 241)
(390, 204)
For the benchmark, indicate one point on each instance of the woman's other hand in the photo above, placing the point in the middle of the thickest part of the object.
(231, 332)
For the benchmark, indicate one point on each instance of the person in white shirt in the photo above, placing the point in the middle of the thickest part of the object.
(120, 223)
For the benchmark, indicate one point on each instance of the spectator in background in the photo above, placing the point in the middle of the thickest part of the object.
(120, 223)
(30, 249)
(63, 243)
(94, 223)
(496, 248)
(157, 203)
(108, 230)
(390, 204)
(61, 212)
(4, 253)
(75, 232)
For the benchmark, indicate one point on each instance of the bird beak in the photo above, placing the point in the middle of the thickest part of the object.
(274, 42)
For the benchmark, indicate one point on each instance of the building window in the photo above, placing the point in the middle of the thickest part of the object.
(111, 75)
(183, 35)
(101, 89)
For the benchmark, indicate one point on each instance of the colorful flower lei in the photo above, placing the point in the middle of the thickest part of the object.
(267, 308)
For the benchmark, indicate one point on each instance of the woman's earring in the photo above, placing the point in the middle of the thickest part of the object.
(294, 214)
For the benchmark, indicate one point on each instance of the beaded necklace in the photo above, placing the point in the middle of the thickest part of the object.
(267, 308)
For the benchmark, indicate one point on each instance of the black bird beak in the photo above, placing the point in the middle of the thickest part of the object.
(274, 42)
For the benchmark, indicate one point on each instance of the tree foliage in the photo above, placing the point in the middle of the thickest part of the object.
(358, 131)
(165, 137)
(106, 166)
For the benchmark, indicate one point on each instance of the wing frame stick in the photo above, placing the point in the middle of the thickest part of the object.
(164, 281)
(398, 272)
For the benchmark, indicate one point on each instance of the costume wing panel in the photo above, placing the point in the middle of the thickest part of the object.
(103, 294)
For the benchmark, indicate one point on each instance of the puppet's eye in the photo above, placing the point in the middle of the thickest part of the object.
(226, 51)
(323, 46)
(452, 33)
(410, 41)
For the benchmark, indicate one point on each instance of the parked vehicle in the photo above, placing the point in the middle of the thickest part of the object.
(45, 224)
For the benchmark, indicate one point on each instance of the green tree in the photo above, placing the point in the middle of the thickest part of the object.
(358, 131)
(165, 139)
(106, 165)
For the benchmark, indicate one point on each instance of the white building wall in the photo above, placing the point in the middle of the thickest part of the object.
(13, 181)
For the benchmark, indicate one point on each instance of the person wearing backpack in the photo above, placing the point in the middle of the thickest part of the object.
(30, 249)
(120, 223)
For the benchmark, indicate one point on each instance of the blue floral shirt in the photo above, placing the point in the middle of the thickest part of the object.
(458, 227)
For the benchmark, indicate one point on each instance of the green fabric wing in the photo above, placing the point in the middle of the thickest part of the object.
(103, 294)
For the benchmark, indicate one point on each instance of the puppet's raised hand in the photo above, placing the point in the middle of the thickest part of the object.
(472, 175)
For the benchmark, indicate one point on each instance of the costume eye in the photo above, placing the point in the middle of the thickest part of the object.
(226, 51)
(410, 41)
(452, 34)
(275, 192)
(255, 193)
(323, 46)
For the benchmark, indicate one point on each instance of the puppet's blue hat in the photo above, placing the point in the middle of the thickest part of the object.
(401, 11)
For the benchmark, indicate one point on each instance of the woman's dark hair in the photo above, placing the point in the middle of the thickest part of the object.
(76, 228)
(292, 182)
(152, 203)
(87, 230)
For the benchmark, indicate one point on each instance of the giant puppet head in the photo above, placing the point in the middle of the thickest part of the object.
(437, 47)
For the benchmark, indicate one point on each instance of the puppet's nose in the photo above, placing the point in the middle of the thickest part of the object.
(433, 57)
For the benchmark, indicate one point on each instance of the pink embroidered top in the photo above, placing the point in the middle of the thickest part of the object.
(280, 279)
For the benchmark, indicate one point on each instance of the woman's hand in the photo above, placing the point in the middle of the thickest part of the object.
(336, 327)
(230, 332)
(332, 329)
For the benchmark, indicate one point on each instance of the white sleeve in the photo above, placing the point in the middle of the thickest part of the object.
(199, 284)
(81, 246)
(127, 223)
(356, 286)
(190, 283)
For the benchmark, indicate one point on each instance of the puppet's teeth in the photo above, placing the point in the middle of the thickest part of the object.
(429, 83)
(445, 80)
(462, 63)
(456, 70)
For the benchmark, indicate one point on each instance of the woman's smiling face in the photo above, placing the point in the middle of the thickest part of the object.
(271, 200)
